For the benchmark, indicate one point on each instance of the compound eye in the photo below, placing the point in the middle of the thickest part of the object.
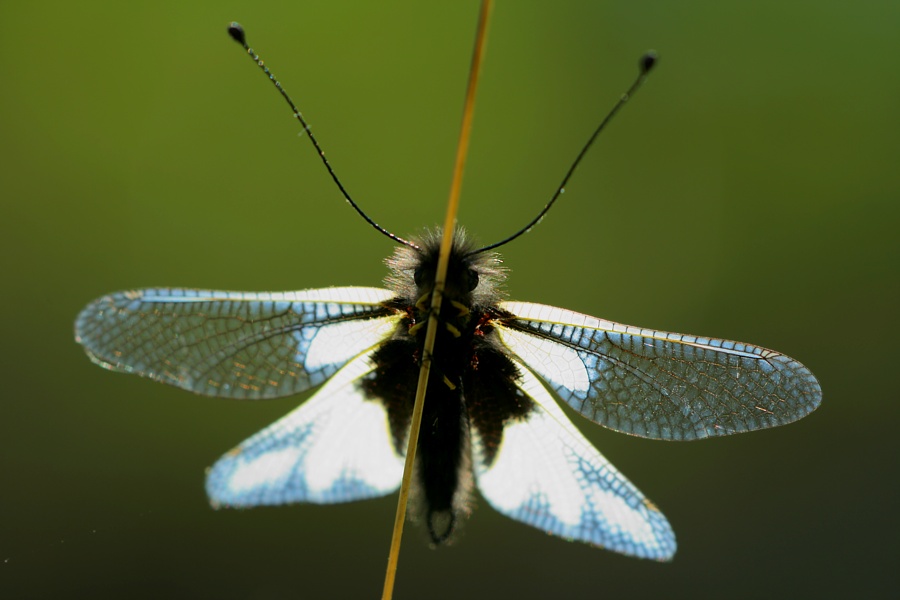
(473, 279)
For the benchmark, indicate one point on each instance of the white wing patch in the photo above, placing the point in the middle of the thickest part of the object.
(322, 350)
(562, 366)
(546, 474)
(336, 447)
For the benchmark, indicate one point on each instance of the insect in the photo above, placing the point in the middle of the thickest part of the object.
(491, 417)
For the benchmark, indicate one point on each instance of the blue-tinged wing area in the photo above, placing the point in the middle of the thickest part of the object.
(234, 344)
(656, 384)
(336, 447)
(547, 475)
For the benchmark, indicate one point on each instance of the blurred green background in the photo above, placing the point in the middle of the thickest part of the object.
(750, 191)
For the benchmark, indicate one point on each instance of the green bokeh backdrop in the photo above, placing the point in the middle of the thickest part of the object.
(750, 192)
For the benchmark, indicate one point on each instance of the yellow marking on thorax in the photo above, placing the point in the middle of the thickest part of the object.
(462, 308)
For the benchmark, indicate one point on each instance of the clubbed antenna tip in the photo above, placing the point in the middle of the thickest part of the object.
(237, 33)
(647, 60)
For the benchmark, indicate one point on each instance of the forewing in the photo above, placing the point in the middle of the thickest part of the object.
(546, 474)
(656, 384)
(336, 447)
(234, 344)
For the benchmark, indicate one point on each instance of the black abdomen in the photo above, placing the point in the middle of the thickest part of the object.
(442, 436)
(472, 383)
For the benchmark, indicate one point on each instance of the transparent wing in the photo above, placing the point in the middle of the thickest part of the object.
(234, 344)
(546, 474)
(656, 384)
(336, 447)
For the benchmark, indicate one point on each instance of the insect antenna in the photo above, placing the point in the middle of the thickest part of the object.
(236, 31)
(645, 65)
